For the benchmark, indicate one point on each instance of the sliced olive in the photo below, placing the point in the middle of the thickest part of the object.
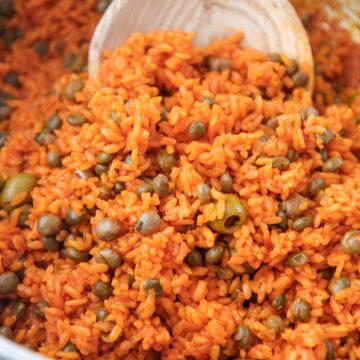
(235, 216)
(14, 186)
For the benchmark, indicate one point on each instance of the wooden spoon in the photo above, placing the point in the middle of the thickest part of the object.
(268, 26)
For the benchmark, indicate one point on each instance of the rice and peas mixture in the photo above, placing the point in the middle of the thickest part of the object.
(189, 204)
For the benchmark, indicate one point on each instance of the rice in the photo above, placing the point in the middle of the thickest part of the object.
(148, 94)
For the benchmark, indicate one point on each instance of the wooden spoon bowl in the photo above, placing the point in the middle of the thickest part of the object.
(268, 26)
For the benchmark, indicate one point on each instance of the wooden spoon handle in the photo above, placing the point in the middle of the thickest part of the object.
(268, 26)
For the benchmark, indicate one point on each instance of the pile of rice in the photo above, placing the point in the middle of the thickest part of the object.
(147, 95)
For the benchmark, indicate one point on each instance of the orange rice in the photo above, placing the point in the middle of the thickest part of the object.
(198, 311)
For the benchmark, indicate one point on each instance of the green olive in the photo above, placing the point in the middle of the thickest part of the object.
(281, 163)
(106, 193)
(300, 79)
(243, 337)
(315, 186)
(296, 259)
(151, 283)
(54, 159)
(274, 322)
(235, 216)
(76, 255)
(302, 223)
(53, 122)
(50, 243)
(109, 257)
(214, 254)
(327, 137)
(18, 309)
(8, 283)
(165, 160)
(108, 229)
(104, 158)
(306, 111)
(291, 205)
(350, 242)
(76, 119)
(194, 258)
(226, 183)
(332, 165)
(102, 290)
(148, 222)
(49, 224)
(70, 347)
(203, 192)
(6, 332)
(101, 314)
(72, 87)
(161, 185)
(197, 130)
(301, 310)
(14, 186)
(278, 302)
(337, 284)
(25, 211)
(39, 309)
